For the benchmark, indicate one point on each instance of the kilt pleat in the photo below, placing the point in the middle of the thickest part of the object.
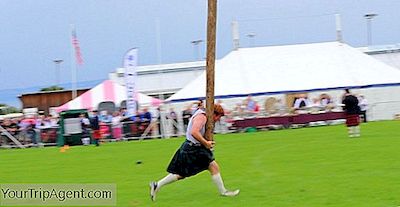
(190, 160)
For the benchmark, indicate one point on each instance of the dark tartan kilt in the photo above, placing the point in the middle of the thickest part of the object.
(190, 160)
(352, 120)
(96, 134)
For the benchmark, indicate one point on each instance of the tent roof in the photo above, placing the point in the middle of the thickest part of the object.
(291, 68)
(105, 91)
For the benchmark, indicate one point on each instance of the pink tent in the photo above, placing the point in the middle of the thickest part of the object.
(106, 91)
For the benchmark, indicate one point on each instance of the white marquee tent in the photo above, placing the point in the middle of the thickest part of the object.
(292, 68)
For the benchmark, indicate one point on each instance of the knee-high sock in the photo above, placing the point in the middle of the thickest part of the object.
(350, 131)
(217, 179)
(357, 130)
(170, 178)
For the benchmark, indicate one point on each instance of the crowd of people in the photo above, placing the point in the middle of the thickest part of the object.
(32, 129)
(301, 104)
(28, 129)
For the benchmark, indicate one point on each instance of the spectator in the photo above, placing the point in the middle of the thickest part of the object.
(105, 117)
(352, 111)
(238, 110)
(32, 132)
(135, 117)
(11, 127)
(302, 102)
(363, 104)
(282, 107)
(158, 116)
(145, 120)
(325, 100)
(123, 112)
(53, 121)
(174, 120)
(27, 126)
(117, 126)
(221, 126)
(186, 114)
(85, 124)
(197, 105)
(94, 123)
(145, 116)
(250, 104)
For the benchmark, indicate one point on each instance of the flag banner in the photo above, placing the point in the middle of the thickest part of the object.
(75, 44)
(130, 63)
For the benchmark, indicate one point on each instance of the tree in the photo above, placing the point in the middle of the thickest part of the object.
(52, 88)
(5, 109)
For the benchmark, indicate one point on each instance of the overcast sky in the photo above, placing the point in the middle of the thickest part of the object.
(35, 32)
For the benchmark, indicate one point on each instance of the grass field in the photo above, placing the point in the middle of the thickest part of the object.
(307, 167)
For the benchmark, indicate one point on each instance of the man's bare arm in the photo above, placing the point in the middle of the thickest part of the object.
(198, 122)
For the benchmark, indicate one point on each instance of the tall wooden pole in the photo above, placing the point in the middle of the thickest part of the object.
(211, 33)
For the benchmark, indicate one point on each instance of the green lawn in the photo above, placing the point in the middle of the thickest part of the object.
(308, 167)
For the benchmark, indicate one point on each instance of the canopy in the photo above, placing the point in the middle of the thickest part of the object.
(105, 91)
(291, 68)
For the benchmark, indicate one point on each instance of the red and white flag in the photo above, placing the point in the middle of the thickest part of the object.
(75, 44)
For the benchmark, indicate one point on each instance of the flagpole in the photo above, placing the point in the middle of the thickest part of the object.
(163, 109)
(74, 66)
(74, 78)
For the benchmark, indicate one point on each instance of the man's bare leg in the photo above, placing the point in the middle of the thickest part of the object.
(217, 179)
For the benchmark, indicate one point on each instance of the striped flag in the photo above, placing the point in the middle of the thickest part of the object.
(75, 44)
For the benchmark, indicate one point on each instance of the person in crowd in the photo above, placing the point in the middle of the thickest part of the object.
(250, 104)
(281, 107)
(123, 112)
(325, 100)
(238, 110)
(197, 105)
(301, 104)
(363, 104)
(27, 125)
(137, 123)
(194, 156)
(158, 116)
(135, 117)
(95, 124)
(174, 120)
(301, 101)
(117, 126)
(186, 114)
(145, 116)
(11, 127)
(85, 124)
(316, 105)
(221, 125)
(352, 111)
(53, 121)
(145, 119)
(46, 122)
(105, 117)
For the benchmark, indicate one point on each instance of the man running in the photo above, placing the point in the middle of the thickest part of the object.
(195, 155)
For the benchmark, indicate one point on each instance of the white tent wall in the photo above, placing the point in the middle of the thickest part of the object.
(315, 68)
(383, 102)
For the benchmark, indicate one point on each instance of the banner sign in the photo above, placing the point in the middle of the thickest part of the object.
(130, 63)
